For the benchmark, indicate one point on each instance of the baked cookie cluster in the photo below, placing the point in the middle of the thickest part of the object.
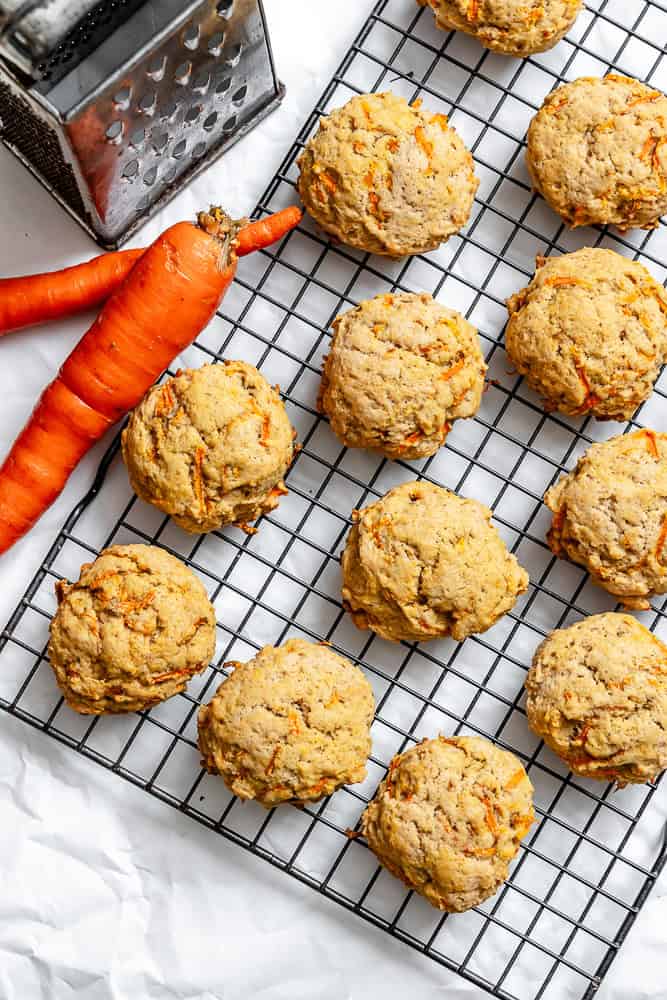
(211, 448)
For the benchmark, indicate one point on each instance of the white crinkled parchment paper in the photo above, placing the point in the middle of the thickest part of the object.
(105, 892)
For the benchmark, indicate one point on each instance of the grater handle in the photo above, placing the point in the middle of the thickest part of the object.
(42, 24)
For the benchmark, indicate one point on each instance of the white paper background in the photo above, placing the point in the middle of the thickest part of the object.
(105, 892)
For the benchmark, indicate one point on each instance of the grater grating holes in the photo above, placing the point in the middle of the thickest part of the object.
(179, 150)
(160, 141)
(229, 125)
(193, 114)
(138, 137)
(122, 98)
(209, 122)
(198, 150)
(156, 68)
(191, 37)
(183, 72)
(130, 170)
(150, 176)
(215, 44)
(239, 96)
(114, 133)
(225, 8)
(234, 57)
(148, 104)
(170, 111)
(224, 85)
(201, 81)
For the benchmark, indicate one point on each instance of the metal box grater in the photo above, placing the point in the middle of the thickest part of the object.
(133, 102)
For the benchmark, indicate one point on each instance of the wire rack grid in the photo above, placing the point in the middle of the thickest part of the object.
(590, 862)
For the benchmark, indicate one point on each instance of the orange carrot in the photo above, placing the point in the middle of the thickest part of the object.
(38, 298)
(166, 300)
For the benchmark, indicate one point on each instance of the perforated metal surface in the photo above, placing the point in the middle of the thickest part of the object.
(136, 101)
(588, 865)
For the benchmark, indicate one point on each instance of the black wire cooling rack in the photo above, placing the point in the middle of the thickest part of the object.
(589, 864)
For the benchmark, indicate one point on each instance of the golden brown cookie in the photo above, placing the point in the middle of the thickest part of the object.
(514, 27)
(210, 447)
(422, 563)
(610, 516)
(131, 632)
(589, 333)
(597, 695)
(597, 152)
(449, 817)
(401, 369)
(291, 725)
(386, 177)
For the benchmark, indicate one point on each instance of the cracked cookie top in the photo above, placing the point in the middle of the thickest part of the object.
(597, 152)
(589, 333)
(422, 562)
(387, 177)
(514, 27)
(610, 516)
(210, 447)
(401, 369)
(292, 724)
(131, 632)
(449, 817)
(597, 695)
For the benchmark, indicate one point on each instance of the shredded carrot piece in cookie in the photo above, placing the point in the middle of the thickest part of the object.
(591, 399)
(454, 370)
(583, 735)
(328, 182)
(490, 816)
(279, 491)
(270, 767)
(165, 402)
(556, 529)
(556, 106)
(197, 476)
(393, 764)
(424, 144)
(523, 825)
(266, 428)
(358, 147)
(352, 834)
(484, 852)
(648, 148)
(515, 780)
(566, 282)
(170, 673)
(473, 10)
(333, 700)
(580, 216)
(441, 120)
(129, 606)
(417, 103)
(652, 444)
(293, 721)
(410, 440)
(653, 96)
(662, 538)
(535, 14)
(392, 145)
